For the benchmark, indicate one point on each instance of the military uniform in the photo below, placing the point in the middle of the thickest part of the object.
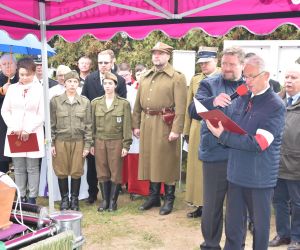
(71, 130)
(194, 178)
(111, 133)
(159, 158)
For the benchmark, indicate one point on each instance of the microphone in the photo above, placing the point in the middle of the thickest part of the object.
(240, 91)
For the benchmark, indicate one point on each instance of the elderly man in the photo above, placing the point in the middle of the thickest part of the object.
(161, 96)
(84, 66)
(207, 62)
(253, 157)
(92, 88)
(215, 92)
(8, 66)
(287, 191)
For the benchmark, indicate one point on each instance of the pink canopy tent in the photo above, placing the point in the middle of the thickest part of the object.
(104, 18)
(72, 19)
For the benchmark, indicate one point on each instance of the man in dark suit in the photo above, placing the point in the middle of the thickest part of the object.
(39, 72)
(8, 75)
(93, 88)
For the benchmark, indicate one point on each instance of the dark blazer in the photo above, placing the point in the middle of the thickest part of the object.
(52, 82)
(275, 85)
(92, 87)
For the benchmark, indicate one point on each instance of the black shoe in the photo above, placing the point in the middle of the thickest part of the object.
(91, 200)
(32, 200)
(24, 199)
(105, 191)
(195, 214)
(75, 186)
(154, 198)
(169, 200)
(294, 246)
(278, 241)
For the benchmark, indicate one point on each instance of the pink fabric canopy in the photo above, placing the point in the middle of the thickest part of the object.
(104, 18)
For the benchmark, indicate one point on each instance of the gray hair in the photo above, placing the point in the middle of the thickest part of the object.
(235, 51)
(8, 57)
(257, 62)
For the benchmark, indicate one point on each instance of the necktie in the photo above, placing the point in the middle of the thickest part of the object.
(249, 106)
(289, 101)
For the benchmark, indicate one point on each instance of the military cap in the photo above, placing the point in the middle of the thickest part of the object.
(111, 76)
(159, 46)
(62, 70)
(71, 75)
(206, 54)
(37, 59)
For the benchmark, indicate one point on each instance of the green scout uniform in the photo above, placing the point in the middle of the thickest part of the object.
(111, 133)
(159, 158)
(71, 132)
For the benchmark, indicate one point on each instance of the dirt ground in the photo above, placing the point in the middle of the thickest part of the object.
(130, 229)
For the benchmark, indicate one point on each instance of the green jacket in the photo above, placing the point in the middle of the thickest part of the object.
(114, 122)
(71, 121)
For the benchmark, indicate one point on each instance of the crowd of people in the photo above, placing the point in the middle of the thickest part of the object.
(128, 128)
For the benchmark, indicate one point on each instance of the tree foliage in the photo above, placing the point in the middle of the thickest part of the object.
(137, 51)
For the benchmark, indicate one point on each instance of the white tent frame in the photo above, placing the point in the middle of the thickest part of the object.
(43, 22)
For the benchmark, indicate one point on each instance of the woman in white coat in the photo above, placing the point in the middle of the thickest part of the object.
(23, 113)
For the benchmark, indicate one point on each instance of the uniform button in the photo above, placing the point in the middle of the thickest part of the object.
(148, 108)
(150, 89)
(152, 81)
(148, 99)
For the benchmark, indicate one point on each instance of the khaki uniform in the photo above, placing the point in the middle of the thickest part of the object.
(194, 177)
(111, 133)
(159, 158)
(71, 132)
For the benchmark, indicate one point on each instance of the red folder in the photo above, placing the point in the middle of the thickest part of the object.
(216, 115)
(18, 146)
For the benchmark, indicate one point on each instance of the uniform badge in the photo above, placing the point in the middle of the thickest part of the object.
(119, 119)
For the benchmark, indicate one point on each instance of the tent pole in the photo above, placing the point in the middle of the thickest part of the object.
(46, 104)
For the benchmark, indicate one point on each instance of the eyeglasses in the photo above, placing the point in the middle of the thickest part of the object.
(251, 78)
(103, 63)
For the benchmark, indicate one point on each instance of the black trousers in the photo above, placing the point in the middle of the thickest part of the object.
(4, 166)
(215, 188)
(91, 176)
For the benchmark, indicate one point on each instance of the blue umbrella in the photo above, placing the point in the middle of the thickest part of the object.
(29, 45)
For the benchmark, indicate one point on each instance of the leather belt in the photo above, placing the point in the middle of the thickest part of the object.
(158, 112)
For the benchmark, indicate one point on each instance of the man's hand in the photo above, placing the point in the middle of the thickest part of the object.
(222, 100)
(173, 136)
(136, 132)
(215, 131)
(124, 152)
(53, 151)
(85, 153)
(92, 151)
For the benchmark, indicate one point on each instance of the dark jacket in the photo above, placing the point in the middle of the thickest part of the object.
(3, 128)
(92, 87)
(250, 165)
(210, 150)
(290, 149)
